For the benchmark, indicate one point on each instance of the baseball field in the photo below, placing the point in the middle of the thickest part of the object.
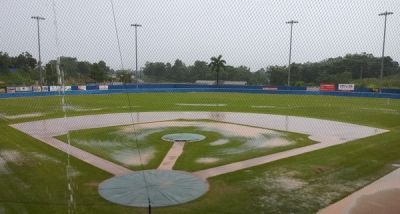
(352, 142)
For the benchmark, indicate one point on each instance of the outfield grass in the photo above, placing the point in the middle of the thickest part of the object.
(37, 183)
(366, 111)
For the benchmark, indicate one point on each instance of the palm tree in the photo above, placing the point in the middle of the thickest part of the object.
(217, 64)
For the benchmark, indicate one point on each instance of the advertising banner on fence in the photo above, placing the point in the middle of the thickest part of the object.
(45, 88)
(82, 87)
(55, 88)
(11, 90)
(312, 88)
(59, 88)
(346, 87)
(103, 87)
(36, 88)
(270, 88)
(327, 87)
(23, 89)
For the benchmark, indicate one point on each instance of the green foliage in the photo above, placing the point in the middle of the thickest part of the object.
(165, 72)
(156, 71)
(336, 70)
(392, 81)
(347, 69)
(23, 70)
(18, 70)
(99, 71)
(198, 71)
(278, 75)
(217, 64)
(333, 70)
(4, 63)
(124, 76)
(260, 77)
(77, 72)
(24, 62)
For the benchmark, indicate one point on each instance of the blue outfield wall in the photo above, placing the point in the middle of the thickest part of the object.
(170, 88)
(129, 86)
(92, 87)
(391, 90)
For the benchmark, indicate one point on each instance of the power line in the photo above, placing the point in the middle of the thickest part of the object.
(117, 34)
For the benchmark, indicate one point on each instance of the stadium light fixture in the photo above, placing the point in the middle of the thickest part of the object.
(38, 19)
(291, 22)
(386, 13)
(136, 52)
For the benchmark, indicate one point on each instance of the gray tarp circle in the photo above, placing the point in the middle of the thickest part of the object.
(187, 137)
(162, 187)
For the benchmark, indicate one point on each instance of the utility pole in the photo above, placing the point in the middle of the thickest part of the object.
(291, 22)
(38, 19)
(386, 13)
(136, 53)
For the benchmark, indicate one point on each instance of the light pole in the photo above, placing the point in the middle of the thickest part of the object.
(291, 22)
(386, 13)
(136, 55)
(38, 19)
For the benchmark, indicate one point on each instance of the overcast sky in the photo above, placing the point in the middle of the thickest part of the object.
(246, 32)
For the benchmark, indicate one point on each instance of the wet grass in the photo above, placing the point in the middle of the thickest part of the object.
(367, 111)
(117, 146)
(108, 141)
(40, 186)
(188, 161)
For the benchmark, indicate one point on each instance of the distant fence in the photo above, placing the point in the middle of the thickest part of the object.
(149, 88)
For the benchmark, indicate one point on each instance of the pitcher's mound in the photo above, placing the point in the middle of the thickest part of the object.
(160, 187)
(185, 137)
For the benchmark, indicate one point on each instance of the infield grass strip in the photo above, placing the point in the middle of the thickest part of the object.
(104, 142)
(110, 144)
(189, 160)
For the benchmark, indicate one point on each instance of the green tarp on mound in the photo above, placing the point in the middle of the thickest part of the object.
(161, 187)
(187, 137)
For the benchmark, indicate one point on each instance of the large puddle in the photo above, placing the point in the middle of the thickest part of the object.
(251, 137)
(235, 139)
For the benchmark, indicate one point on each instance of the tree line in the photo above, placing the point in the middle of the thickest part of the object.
(347, 69)
(200, 70)
(23, 70)
(351, 68)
